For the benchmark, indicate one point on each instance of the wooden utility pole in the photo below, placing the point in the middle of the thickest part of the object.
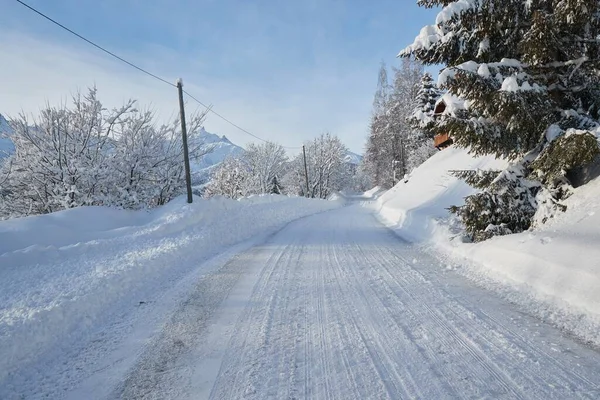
(305, 171)
(186, 156)
(402, 160)
(403, 152)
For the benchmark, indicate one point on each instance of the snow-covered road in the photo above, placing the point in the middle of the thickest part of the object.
(334, 306)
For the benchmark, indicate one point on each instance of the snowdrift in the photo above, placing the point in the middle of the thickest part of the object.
(417, 208)
(553, 271)
(67, 274)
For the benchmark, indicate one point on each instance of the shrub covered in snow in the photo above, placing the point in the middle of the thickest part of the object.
(87, 155)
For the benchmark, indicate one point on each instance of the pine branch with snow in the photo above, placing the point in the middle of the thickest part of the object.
(528, 76)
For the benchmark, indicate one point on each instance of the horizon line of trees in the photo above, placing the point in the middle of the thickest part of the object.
(266, 168)
(86, 155)
(83, 154)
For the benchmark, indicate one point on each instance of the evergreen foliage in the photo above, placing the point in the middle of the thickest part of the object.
(528, 73)
(397, 141)
(275, 187)
(427, 97)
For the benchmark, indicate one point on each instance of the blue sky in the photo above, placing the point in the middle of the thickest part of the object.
(285, 70)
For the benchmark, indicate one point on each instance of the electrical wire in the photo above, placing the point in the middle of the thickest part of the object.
(95, 45)
(144, 71)
(232, 123)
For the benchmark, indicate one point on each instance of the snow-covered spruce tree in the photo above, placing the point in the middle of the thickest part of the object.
(418, 143)
(421, 118)
(275, 186)
(404, 140)
(528, 72)
(388, 146)
(373, 159)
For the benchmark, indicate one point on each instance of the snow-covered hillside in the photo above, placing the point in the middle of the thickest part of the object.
(554, 271)
(6, 146)
(220, 148)
(353, 158)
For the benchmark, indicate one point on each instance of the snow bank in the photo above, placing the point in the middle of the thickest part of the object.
(558, 264)
(65, 274)
(418, 208)
(372, 193)
(553, 271)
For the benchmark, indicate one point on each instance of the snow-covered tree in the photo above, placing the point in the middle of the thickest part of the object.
(275, 186)
(528, 74)
(327, 170)
(62, 160)
(388, 146)
(424, 105)
(87, 155)
(264, 162)
(253, 172)
(361, 179)
(147, 160)
(373, 163)
(229, 179)
(418, 143)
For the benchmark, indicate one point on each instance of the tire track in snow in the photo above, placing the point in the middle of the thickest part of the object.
(473, 338)
(241, 364)
(376, 350)
(339, 312)
(476, 327)
(450, 340)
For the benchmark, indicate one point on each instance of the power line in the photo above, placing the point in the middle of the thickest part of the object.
(95, 45)
(144, 71)
(232, 123)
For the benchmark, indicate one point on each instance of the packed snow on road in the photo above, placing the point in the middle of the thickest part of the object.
(268, 297)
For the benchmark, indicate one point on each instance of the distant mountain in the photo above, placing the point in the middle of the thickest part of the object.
(221, 149)
(353, 158)
(6, 145)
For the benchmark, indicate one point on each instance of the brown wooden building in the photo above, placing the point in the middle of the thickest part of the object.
(441, 140)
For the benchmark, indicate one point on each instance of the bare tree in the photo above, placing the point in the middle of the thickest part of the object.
(86, 155)
(264, 162)
(229, 179)
(327, 171)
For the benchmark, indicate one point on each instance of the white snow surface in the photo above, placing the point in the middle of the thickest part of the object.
(75, 279)
(265, 298)
(432, 34)
(552, 271)
(353, 158)
(453, 104)
(334, 306)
